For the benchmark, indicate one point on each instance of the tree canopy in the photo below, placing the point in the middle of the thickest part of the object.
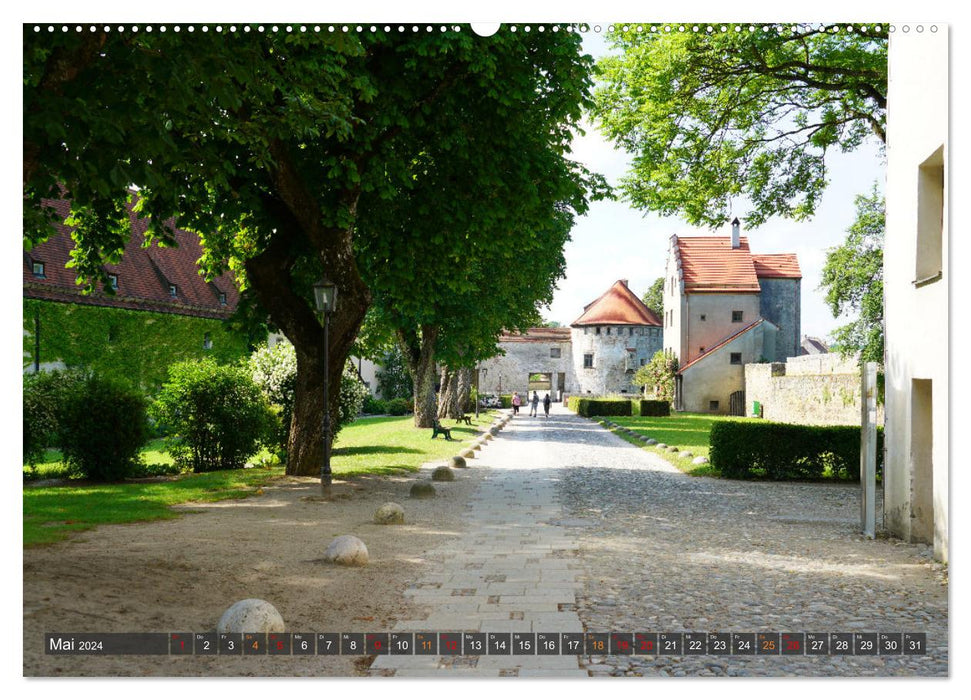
(712, 115)
(282, 148)
(853, 280)
(654, 297)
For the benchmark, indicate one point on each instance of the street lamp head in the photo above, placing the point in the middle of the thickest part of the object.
(325, 296)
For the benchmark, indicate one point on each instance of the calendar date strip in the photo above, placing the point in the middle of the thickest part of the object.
(488, 644)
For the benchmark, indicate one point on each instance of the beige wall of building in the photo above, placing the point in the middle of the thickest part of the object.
(915, 289)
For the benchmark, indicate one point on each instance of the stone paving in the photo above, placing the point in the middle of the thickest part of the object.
(574, 529)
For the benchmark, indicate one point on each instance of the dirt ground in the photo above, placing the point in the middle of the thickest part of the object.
(180, 575)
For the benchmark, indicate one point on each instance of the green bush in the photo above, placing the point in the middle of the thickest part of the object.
(44, 396)
(599, 406)
(398, 407)
(653, 407)
(103, 426)
(781, 451)
(275, 371)
(394, 379)
(217, 414)
(373, 406)
(506, 400)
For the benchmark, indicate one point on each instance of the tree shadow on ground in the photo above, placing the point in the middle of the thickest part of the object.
(374, 450)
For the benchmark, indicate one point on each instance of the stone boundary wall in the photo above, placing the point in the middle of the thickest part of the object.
(808, 390)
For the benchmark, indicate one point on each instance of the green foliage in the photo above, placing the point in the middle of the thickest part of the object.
(132, 347)
(505, 400)
(394, 380)
(599, 406)
(353, 393)
(398, 407)
(648, 407)
(103, 426)
(654, 297)
(853, 280)
(44, 398)
(714, 117)
(657, 376)
(374, 407)
(217, 414)
(780, 451)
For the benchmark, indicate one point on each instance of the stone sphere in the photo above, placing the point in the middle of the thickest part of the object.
(346, 550)
(443, 474)
(672, 448)
(685, 454)
(494, 430)
(651, 441)
(662, 446)
(700, 460)
(458, 462)
(389, 514)
(250, 615)
(422, 489)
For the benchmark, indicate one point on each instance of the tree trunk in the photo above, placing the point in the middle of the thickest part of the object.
(463, 387)
(418, 351)
(447, 407)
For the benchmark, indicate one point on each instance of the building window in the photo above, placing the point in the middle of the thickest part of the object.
(222, 298)
(630, 331)
(701, 349)
(704, 317)
(736, 316)
(38, 268)
(736, 358)
(712, 405)
(207, 342)
(113, 282)
(597, 332)
(588, 360)
(930, 218)
(643, 361)
(554, 352)
(173, 291)
(608, 330)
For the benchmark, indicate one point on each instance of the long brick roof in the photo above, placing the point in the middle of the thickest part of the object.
(617, 306)
(538, 335)
(144, 275)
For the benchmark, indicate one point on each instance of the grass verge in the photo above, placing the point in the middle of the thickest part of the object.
(367, 446)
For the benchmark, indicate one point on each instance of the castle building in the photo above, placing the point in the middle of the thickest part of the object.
(725, 307)
(598, 354)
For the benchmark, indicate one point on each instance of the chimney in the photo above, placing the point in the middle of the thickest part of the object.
(736, 242)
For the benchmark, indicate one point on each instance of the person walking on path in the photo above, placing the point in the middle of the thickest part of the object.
(516, 403)
(546, 405)
(534, 404)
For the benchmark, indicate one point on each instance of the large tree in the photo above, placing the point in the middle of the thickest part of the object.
(265, 144)
(715, 114)
(853, 280)
(654, 297)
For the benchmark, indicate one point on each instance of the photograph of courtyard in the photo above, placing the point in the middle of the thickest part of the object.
(478, 351)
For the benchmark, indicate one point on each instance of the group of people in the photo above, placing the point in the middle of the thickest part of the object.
(517, 401)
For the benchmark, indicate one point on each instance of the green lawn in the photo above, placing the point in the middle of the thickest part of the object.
(367, 446)
(688, 431)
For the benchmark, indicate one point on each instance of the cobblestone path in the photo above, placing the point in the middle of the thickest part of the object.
(574, 529)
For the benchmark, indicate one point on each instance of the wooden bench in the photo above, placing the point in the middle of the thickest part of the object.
(465, 419)
(439, 428)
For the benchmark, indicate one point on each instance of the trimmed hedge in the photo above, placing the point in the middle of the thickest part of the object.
(506, 400)
(599, 406)
(781, 451)
(653, 407)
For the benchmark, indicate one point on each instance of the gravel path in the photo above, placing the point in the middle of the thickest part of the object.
(666, 552)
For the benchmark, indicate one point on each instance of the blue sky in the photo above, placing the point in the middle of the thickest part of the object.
(614, 241)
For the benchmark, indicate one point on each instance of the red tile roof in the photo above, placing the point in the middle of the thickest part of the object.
(538, 335)
(617, 306)
(710, 264)
(777, 265)
(721, 344)
(144, 275)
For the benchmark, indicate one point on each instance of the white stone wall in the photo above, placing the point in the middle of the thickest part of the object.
(613, 370)
(916, 481)
(715, 378)
(510, 372)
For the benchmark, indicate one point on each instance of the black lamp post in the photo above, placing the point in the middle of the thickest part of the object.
(325, 297)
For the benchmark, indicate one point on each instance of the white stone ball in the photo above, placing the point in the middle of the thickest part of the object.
(346, 550)
(700, 460)
(250, 615)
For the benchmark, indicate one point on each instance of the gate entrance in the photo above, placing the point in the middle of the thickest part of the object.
(736, 403)
(540, 381)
